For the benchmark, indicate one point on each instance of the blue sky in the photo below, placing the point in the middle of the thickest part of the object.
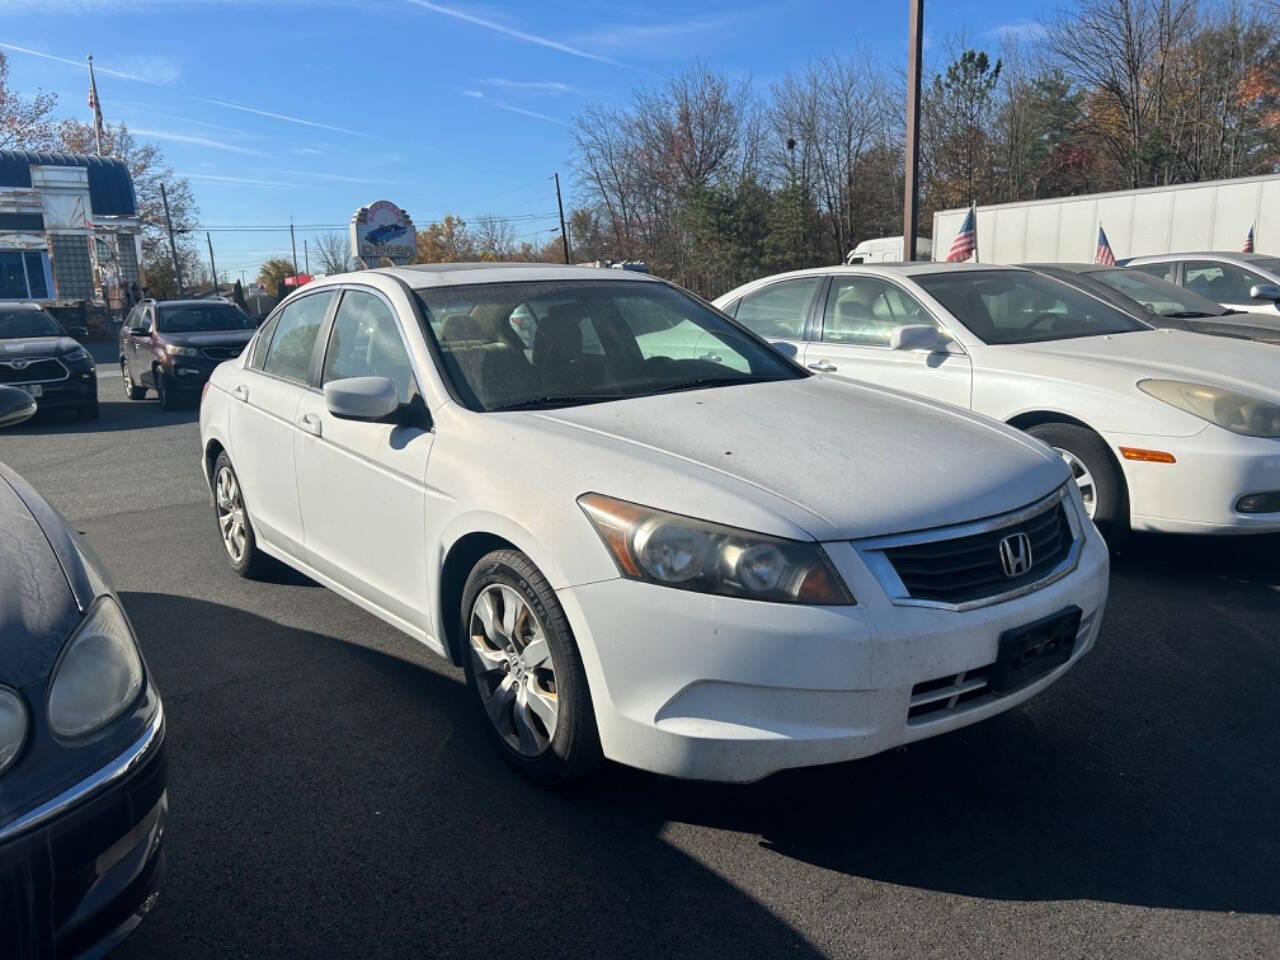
(308, 110)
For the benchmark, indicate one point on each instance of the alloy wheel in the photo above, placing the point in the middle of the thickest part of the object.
(128, 380)
(514, 670)
(1084, 480)
(230, 507)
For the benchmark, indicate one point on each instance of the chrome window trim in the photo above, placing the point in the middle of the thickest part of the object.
(130, 759)
(872, 553)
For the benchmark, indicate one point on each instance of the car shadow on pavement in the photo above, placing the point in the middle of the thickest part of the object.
(332, 800)
(112, 416)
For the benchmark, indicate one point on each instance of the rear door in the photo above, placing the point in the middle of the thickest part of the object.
(852, 340)
(264, 410)
(780, 312)
(362, 485)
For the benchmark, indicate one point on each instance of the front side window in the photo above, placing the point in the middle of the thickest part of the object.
(1220, 282)
(201, 318)
(26, 323)
(1017, 306)
(780, 310)
(365, 342)
(865, 310)
(562, 343)
(263, 343)
(289, 354)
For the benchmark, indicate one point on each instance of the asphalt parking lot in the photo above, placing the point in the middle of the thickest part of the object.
(332, 794)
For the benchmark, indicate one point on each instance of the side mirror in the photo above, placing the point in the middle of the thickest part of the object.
(15, 406)
(915, 336)
(361, 398)
(1265, 291)
(139, 331)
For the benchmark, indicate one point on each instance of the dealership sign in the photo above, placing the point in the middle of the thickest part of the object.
(382, 230)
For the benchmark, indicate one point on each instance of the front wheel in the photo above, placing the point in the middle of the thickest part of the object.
(131, 389)
(164, 391)
(524, 668)
(1096, 474)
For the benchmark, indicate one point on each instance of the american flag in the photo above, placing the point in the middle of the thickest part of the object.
(96, 106)
(965, 244)
(1248, 242)
(1104, 255)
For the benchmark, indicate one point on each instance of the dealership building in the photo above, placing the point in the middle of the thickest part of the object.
(69, 230)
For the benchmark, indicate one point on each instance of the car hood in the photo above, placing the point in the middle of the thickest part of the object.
(38, 609)
(836, 459)
(36, 347)
(214, 338)
(1165, 354)
(1254, 326)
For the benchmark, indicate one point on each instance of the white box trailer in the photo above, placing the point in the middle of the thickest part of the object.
(1215, 215)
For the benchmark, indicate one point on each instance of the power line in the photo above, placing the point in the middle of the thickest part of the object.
(284, 227)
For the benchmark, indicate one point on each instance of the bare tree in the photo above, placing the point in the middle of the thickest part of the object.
(333, 250)
(494, 238)
(25, 122)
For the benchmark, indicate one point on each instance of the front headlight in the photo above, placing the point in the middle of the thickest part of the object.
(78, 355)
(174, 350)
(99, 674)
(13, 727)
(676, 551)
(1237, 412)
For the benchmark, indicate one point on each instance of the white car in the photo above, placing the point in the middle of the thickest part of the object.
(1241, 281)
(1164, 430)
(709, 568)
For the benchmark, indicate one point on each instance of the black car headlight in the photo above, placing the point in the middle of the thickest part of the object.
(99, 674)
(678, 551)
(14, 724)
(78, 356)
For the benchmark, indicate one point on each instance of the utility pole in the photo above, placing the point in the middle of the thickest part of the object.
(564, 235)
(915, 49)
(293, 241)
(306, 257)
(212, 266)
(173, 247)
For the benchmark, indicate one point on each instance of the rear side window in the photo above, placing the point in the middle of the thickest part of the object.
(780, 309)
(289, 355)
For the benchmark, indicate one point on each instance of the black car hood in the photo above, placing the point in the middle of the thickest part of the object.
(35, 347)
(214, 338)
(48, 578)
(1224, 327)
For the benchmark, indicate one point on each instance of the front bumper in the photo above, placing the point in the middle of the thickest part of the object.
(80, 389)
(1198, 493)
(715, 688)
(80, 872)
(187, 374)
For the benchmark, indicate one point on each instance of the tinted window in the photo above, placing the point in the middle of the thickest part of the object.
(365, 342)
(1162, 271)
(780, 309)
(27, 323)
(1023, 307)
(201, 318)
(289, 355)
(588, 340)
(864, 311)
(1219, 282)
(37, 283)
(263, 343)
(1158, 296)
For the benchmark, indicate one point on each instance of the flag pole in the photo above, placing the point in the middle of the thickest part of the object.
(97, 107)
(973, 206)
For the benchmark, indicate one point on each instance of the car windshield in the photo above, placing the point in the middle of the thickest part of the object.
(27, 323)
(1018, 306)
(544, 344)
(1158, 296)
(202, 318)
(1270, 264)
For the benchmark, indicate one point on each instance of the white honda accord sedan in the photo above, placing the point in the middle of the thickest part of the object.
(708, 564)
(1164, 430)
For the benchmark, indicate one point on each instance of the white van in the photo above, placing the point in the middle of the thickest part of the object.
(887, 250)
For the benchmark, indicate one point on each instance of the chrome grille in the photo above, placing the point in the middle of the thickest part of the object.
(35, 370)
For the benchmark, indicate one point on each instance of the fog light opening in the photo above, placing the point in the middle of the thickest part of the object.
(1268, 502)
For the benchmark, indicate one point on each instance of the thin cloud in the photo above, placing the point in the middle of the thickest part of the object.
(521, 35)
(503, 105)
(642, 36)
(281, 116)
(308, 151)
(243, 181)
(1019, 30)
(549, 88)
(82, 64)
(474, 94)
(149, 69)
(196, 141)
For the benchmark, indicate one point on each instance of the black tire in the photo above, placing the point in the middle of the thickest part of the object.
(165, 392)
(88, 411)
(573, 751)
(1111, 498)
(253, 564)
(131, 389)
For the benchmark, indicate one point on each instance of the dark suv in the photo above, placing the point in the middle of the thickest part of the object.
(171, 346)
(37, 356)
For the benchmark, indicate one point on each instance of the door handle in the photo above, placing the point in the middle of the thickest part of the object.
(241, 393)
(310, 423)
(823, 366)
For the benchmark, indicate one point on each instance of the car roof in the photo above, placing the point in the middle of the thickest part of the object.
(21, 305)
(1213, 254)
(192, 302)
(422, 275)
(1069, 267)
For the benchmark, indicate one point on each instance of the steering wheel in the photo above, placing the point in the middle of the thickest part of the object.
(1051, 318)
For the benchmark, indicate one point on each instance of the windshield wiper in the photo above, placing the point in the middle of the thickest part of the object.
(555, 400)
(709, 382)
(1187, 314)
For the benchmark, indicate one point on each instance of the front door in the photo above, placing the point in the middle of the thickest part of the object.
(264, 409)
(853, 338)
(362, 485)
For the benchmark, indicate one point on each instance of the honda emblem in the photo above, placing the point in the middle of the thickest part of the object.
(1015, 554)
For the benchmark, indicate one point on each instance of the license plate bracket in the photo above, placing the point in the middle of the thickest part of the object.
(32, 388)
(1029, 652)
